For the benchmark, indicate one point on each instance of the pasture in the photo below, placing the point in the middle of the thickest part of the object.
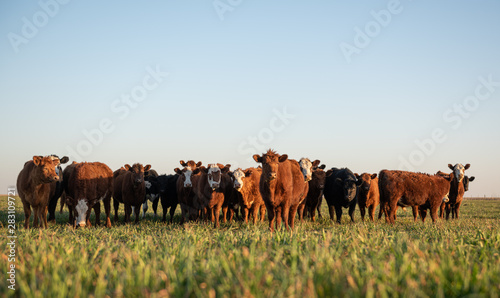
(323, 259)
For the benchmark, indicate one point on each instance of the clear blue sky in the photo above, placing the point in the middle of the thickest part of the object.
(230, 71)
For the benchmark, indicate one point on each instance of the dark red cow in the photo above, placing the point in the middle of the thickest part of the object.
(129, 188)
(282, 187)
(246, 183)
(368, 194)
(315, 192)
(185, 191)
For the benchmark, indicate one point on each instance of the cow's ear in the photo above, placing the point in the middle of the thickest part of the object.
(338, 181)
(64, 160)
(471, 178)
(198, 164)
(359, 182)
(450, 166)
(127, 167)
(197, 170)
(467, 166)
(178, 171)
(257, 158)
(283, 158)
(322, 167)
(147, 167)
(37, 160)
(374, 176)
(183, 163)
(328, 173)
(247, 173)
(230, 174)
(226, 168)
(356, 175)
(316, 163)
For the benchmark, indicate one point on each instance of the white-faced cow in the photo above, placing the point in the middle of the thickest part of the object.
(34, 184)
(457, 189)
(185, 192)
(246, 184)
(307, 167)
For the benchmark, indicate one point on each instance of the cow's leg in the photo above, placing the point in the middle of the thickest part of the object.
(371, 212)
(262, 212)
(285, 214)
(271, 214)
(52, 209)
(128, 211)
(441, 210)
(217, 209)
(352, 208)
(63, 199)
(414, 211)
(27, 214)
(390, 210)
(423, 214)
(116, 204)
(97, 211)
(338, 212)
(319, 208)
(107, 210)
(331, 210)
(255, 212)
(362, 211)
(312, 212)
(137, 213)
(172, 212)
(278, 212)
(36, 211)
(300, 210)
(155, 206)
(144, 208)
(434, 212)
(448, 209)
(292, 213)
(245, 214)
(457, 209)
(224, 214)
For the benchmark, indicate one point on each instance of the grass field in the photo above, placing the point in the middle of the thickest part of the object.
(446, 259)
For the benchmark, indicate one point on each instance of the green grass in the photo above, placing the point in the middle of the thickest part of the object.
(446, 259)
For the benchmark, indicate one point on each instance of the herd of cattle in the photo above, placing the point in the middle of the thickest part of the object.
(281, 186)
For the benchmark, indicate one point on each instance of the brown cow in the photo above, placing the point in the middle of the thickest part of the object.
(129, 188)
(34, 184)
(212, 187)
(246, 183)
(282, 187)
(368, 194)
(185, 192)
(458, 186)
(411, 189)
(88, 185)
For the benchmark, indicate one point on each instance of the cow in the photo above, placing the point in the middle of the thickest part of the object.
(57, 191)
(89, 184)
(306, 166)
(411, 189)
(152, 194)
(185, 193)
(246, 184)
(211, 188)
(34, 185)
(466, 182)
(341, 192)
(315, 193)
(457, 189)
(129, 188)
(281, 186)
(168, 194)
(368, 194)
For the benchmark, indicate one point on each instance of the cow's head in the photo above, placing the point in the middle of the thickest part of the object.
(270, 163)
(162, 183)
(459, 170)
(306, 166)
(187, 172)
(59, 161)
(319, 176)
(214, 174)
(45, 169)
(365, 180)
(190, 163)
(81, 210)
(137, 171)
(466, 182)
(349, 187)
(238, 175)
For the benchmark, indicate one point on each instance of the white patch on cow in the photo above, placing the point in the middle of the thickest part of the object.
(147, 184)
(152, 197)
(446, 199)
(187, 175)
(144, 209)
(238, 179)
(213, 168)
(58, 170)
(133, 209)
(81, 209)
(102, 198)
(459, 171)
(306, 168)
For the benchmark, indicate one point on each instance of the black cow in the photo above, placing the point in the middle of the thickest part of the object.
(152, 194)
(168, 194)
(54, 196)
(340, 191)
(466, 182)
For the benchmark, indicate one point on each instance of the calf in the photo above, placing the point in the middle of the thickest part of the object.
(411, 189)
(282, 187)
(129, 188)
(368, 194)
(57, 191)
(34, 184)
(315, 193)
(185, 193)
(88, 185)
(246, 184)
(168, 195)
(211, 188)
(466, 182)
(340, 192)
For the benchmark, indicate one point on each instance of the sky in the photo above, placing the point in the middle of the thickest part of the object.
(371, 85)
